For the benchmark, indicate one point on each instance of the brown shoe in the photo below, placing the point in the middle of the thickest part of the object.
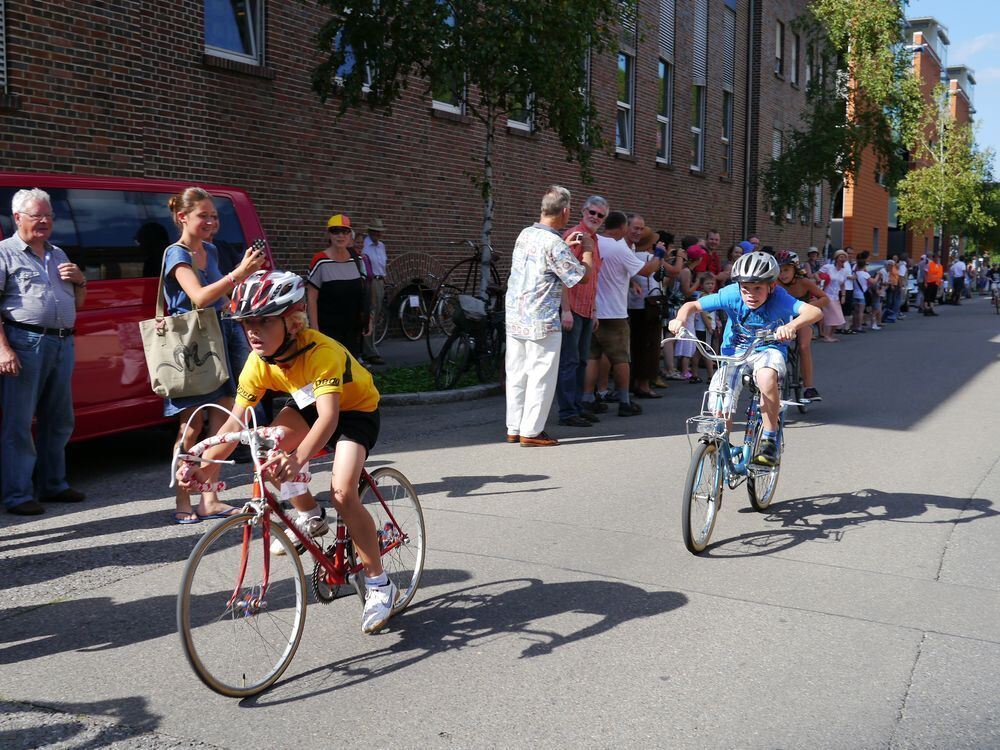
(540, 440)
(27, 508)
(512, 438)
(68, 495)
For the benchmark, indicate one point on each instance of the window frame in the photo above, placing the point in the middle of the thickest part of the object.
(793, 62)
(626, 108)
(698, 131)
(728, 111)
(256, 28)
(528, 124)
(339, 80)
(779, 49)
(664, 114)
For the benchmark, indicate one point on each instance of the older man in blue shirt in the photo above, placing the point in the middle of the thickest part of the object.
(40, 292)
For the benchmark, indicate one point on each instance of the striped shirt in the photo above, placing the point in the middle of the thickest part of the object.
(581, 296)
(30, 288)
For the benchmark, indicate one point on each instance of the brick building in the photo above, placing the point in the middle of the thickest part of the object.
(215, 91)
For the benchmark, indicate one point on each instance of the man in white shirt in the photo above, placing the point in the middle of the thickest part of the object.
(611, 338)
(958, 272)
(374, 250)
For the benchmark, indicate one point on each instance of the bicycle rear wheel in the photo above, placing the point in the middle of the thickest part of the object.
(702, 497)
(489, 359)
(381, 327)
(453, 360)
(239, 642)
(441, 324)
(762, 481)
(412, 319)
(399, 521)
(795, 387)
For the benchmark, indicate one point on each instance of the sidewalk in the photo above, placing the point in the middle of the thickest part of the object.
(401, 352)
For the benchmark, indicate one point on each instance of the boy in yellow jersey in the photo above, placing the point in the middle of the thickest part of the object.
(334, 402)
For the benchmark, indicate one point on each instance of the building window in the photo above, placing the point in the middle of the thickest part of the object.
(875, 241)
(234, 29)
(350, 62)
(623, 121)
(697, 127)
(793, 61)
(809, 65)
(665, 96)
(521, 117)
(448, 90)
(728, 84)
(779, 48)
(665, 82)
(818, 204)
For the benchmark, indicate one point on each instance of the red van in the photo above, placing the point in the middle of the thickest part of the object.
(116, 229)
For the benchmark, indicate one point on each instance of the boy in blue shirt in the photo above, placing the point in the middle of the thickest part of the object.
(754, 303)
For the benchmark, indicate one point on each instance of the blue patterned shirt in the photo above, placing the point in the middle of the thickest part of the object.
(541, 264)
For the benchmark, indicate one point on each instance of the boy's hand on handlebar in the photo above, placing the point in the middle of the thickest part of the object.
(285, 469)
(786, 332)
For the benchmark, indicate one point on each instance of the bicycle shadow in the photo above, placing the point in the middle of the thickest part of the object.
(102, 623)
(474, 616)
(33, 725)
(467, 486)
(828, 517)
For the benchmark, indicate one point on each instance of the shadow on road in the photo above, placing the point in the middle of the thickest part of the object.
(102, 624)
(826, 518)
(467, 486)
(476, 616)
(59, 723)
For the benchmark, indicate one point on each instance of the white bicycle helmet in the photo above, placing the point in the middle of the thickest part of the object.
(265, 294)
(755, 267)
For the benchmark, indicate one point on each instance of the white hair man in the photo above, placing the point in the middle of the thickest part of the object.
(40, 292)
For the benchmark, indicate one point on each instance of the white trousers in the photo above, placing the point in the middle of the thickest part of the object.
(532, 370)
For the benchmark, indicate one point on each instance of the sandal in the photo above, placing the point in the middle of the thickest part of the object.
(695, 379)
(647, 394)
(229, 511)
(181, 517)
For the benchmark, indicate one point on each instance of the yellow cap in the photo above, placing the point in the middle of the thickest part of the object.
(339, 220)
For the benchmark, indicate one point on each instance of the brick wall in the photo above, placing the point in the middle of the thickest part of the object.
(126, 89)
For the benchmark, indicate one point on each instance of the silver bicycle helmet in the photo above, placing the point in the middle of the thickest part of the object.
(756, 266)
(266, 293)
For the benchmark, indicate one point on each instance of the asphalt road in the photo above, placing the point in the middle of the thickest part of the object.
(559, 605)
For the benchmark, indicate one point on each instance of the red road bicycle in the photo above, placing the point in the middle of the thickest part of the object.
(241, 609)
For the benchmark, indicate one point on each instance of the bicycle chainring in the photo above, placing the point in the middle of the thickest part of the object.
(325, 592)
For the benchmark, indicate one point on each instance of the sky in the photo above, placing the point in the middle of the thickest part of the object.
(974, 30)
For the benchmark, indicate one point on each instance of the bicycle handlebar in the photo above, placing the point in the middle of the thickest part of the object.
(765, 336)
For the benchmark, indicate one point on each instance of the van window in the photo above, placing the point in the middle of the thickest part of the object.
(118, 234)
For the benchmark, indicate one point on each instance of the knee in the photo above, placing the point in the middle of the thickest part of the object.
(342, 497)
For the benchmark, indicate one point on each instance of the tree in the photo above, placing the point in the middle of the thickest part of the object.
(861, 99)
(950, 187)
(495, 58)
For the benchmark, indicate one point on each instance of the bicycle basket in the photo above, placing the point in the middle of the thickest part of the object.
(469, 314)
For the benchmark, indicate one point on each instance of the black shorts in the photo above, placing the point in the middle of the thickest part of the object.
(359, 427)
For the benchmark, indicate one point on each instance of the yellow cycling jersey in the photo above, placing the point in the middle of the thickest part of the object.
(325, 368)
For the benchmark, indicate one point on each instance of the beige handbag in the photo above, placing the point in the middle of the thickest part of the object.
(185, 353)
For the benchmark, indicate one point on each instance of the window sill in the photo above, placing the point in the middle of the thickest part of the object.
(444, 114)
(521, 132)
(625, 156)
(795, 85)
(728, 179)
(9, 103)
(224, 63)
(779, 76)
(665, 165)
(696, 172)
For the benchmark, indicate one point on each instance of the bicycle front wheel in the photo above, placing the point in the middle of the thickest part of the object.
(452, 360)
(489, 359)
(411, 319)
(381, 327)
(238, 637)
(762, 481)
(702, 496)
(400, 525)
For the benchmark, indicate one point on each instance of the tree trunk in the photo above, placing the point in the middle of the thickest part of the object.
(829, 219)
(487, 188)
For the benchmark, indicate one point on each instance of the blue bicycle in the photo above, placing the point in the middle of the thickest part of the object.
(715, 461)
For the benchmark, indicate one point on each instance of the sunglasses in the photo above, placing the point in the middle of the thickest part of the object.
(596, 214)
(340, 230)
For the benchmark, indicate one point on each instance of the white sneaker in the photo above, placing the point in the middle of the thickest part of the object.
(379, 601)
(315, 526)
(876, 328)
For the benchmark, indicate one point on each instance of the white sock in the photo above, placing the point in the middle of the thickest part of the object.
(382, 580)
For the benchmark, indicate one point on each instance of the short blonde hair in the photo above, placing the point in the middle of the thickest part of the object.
(296, 320)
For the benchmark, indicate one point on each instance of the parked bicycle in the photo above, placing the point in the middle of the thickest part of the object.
(715, 461)
(792, 387)
(462, 278)
(478, 340)
(241, 608)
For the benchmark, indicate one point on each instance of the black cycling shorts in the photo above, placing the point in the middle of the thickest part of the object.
(359, 427)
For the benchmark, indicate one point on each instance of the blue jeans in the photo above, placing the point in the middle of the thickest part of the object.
(573, 356)
(890, 309)
(42, 389)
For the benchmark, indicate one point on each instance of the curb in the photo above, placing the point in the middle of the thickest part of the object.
(440, 397)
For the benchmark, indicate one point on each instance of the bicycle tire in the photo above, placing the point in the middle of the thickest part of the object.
(761, 481)
(794, 376)
(404, 564)
(453, 360)
(996, 303)
(441, 308)
(412, 320)
(381, 326)
(220, 640)
(491, 354)
(700, 510)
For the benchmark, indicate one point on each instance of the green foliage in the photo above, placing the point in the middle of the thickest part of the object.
(950, 187)
(864, 100)
(505, 50)
(413, 379)
(987, 238)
